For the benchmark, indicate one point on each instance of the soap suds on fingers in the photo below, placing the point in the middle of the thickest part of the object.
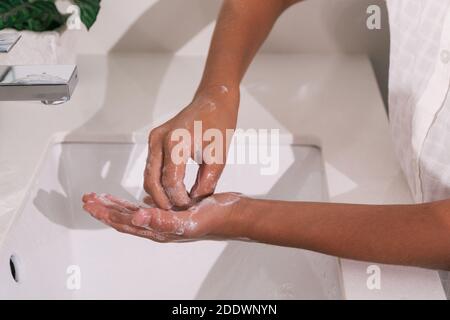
(127, 204)
(158, 224)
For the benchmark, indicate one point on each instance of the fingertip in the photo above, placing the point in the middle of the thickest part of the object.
(88, 196)
(165, 205)
(158, 196)
(89, 208)
(198, 195)
(177, 194)
(206, 182)
(193, 193)
(180, 200)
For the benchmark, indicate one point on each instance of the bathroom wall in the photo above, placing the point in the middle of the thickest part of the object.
(185, 27)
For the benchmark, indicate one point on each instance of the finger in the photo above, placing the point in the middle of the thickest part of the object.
(165, 222)
(155, 220)
(122, 202)
(173, 173)
(97, 210)
(104, 200)
(108, 213)
(139, 232)
(120, 217)
(207, 177)
(89, 197)
(152, 175)
(120, 222)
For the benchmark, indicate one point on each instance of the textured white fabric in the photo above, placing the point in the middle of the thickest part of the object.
(419, 99)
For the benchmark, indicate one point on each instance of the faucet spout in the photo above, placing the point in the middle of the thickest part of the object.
(50, 84)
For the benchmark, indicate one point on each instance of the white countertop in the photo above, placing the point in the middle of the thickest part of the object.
(329, 101)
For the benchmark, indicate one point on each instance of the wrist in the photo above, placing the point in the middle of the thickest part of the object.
(218, 90)
(240, 220)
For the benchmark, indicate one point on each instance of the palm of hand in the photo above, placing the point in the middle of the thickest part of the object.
(201, 221)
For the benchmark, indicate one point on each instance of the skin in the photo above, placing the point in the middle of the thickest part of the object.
(232, 49)
(208, 219)
(415, 235)
(163, 178)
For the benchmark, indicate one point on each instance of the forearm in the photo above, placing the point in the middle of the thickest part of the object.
(417, 235)
(241, 28)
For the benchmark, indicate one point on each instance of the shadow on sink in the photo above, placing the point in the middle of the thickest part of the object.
(270, 272)
(80, 172)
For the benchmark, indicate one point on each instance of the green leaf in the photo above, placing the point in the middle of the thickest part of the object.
(34, 15)
(88, 11)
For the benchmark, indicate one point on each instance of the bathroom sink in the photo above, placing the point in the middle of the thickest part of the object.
(55, 250)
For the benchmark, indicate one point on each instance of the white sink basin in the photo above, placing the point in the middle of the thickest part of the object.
(52, 240)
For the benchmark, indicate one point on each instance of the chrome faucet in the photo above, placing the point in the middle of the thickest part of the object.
(50, 84)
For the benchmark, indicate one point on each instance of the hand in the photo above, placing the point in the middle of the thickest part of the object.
(211, 218)
(216, 108)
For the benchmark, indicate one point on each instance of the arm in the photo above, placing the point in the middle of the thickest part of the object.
(241, 28)
(415, 235)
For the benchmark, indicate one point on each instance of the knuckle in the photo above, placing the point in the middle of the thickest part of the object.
(154, 136)
(151, 136)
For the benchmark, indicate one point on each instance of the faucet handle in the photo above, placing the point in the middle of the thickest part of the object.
(8, 40)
